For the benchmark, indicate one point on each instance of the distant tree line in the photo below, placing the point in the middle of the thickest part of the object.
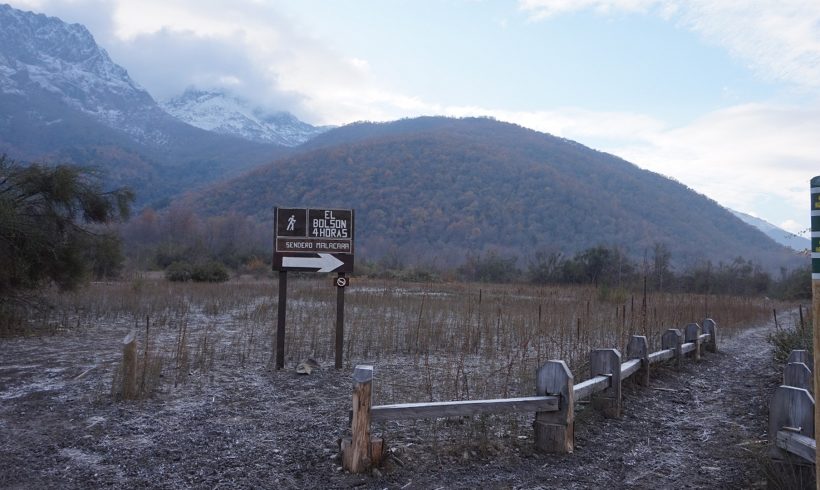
(610, 267)
(190, 248)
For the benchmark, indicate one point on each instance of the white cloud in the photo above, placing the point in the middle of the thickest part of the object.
(245, 45)
(779, 40)
(755, 158)
(541, 9)
(793, 226)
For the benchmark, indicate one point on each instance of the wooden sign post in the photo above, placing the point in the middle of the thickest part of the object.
(312, 240)
(815, 292)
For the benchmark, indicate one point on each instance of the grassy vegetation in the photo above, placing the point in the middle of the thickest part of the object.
(427, 342)
(798, 336)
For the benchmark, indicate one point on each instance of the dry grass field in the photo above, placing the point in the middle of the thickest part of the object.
(427, 341)
(212, 410)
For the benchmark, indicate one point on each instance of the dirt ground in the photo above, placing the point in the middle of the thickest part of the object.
(701, 427)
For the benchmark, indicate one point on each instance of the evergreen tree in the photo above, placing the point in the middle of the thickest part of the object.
(50, 219)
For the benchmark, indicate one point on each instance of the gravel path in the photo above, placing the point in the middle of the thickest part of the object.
(702, 427)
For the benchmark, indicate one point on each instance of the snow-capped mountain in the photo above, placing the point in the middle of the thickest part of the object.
(62, 98)
(45, 58)
(226, 114)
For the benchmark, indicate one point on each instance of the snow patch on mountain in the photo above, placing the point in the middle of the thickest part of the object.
(42, 55)
(226, 114)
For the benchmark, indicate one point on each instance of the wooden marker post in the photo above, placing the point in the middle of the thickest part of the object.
(815, 291)
(638, 348)
(280, 323)
(710, 327)
(129, 366)
(801, 355)
(555, 431)
(692, 334)
(341, 283)
(672, 339)
(607, 362)
(361, 452)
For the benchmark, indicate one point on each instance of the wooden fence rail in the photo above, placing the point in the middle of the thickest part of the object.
(791, 414)
(553, 405)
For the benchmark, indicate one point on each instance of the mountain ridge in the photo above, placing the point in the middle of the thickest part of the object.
(64, 100)
(438, 188)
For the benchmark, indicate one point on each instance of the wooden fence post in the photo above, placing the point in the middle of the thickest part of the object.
(798, 375)
(129, 366)
(793, 409)
(692, 334)
(638, 348)
(800, 355)
(607, 362)
(555, 431)
(672, 339)
(360, 451)
(710, 327)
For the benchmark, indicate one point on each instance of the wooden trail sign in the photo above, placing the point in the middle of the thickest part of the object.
(312, 240)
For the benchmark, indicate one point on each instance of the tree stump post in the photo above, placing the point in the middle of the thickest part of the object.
(693, 335)
(638, 348)
(607, 362)
(555, 431)
(361, 451)
(672, 339)
(710, 327)
(129, 366)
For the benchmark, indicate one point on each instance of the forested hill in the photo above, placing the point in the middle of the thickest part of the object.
(437, 189)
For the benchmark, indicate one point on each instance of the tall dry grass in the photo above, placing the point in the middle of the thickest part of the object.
(427, 342)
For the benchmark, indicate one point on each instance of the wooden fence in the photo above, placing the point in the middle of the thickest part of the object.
(791, 414)
(554, 403)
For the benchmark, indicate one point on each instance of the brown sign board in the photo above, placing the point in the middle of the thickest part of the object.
(313, 239)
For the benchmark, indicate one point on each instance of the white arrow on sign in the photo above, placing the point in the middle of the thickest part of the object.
(324, 262)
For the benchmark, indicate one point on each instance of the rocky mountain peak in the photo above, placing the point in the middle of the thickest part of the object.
(44, 60)
(225, 113)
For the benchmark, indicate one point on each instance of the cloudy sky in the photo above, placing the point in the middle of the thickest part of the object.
(721, 95)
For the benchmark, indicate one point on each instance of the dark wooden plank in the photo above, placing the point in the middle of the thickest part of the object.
(661, 355)
(591, 386)
(463, 408)
(687, 348)
(629, 368)
(797, 444)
